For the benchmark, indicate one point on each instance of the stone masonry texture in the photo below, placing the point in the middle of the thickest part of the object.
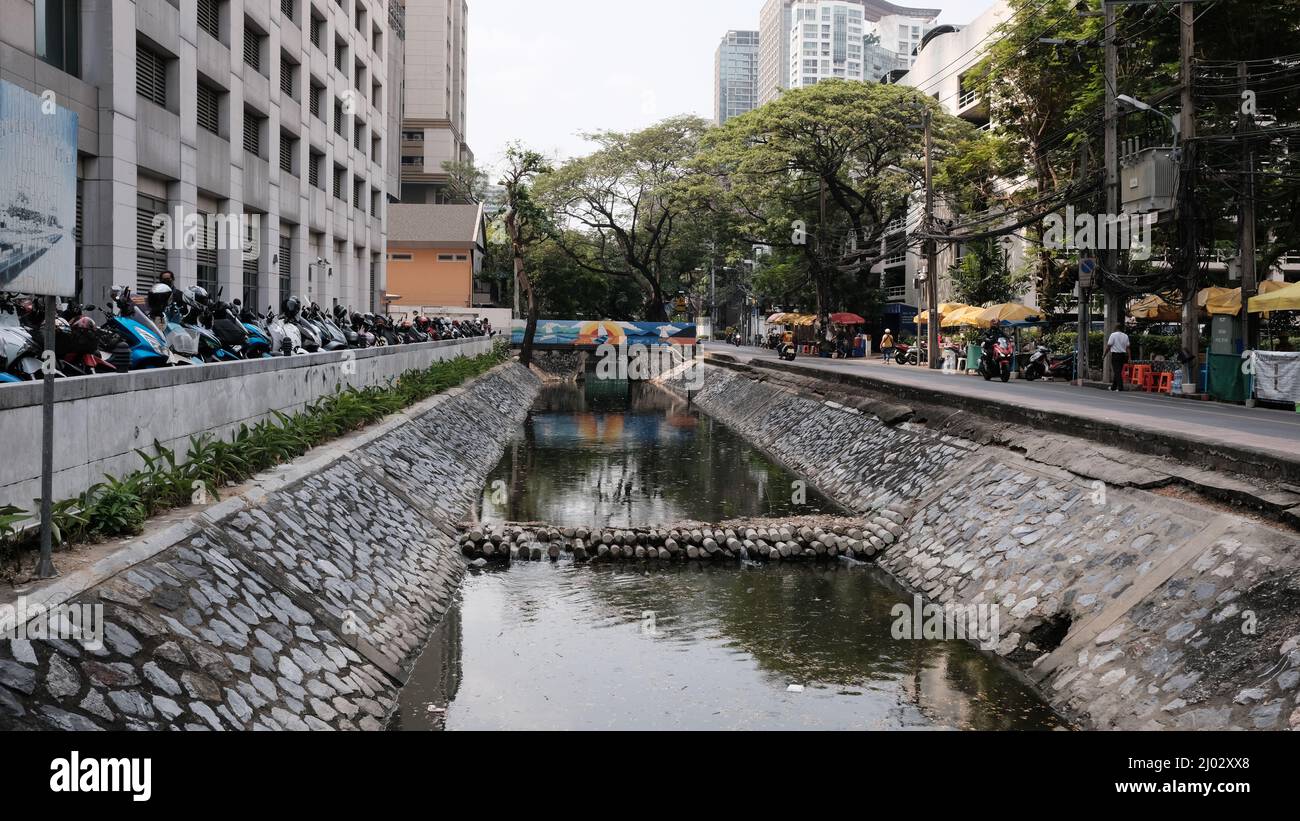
(304, 612)
(1132, 610)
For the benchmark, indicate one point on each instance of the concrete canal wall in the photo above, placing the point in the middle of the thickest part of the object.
(300, 604)
(1128, 608)
(101, 421)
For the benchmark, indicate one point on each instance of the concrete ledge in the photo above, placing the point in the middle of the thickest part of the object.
(1153, 441)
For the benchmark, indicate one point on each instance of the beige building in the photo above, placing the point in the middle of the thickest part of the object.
(434, 108)
(279, 111)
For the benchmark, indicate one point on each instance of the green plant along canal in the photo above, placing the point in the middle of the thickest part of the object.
(559, 646)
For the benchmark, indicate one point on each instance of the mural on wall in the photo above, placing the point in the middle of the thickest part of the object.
(38, 194)
(606, 331)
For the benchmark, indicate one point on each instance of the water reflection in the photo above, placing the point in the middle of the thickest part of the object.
(622, 454)
(700, 647)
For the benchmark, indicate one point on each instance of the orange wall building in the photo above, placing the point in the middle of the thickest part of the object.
(434, 254)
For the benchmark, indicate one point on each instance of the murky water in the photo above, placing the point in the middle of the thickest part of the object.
(559, 646)
(620, 454)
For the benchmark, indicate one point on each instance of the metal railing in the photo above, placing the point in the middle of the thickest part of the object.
(968, 99)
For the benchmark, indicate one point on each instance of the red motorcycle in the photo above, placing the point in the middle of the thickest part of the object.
(995, 361)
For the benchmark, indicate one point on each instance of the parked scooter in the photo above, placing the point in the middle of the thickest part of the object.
(995, 358)
(142, 344)
(20, 352)
(910, 355)
(286, 335)
(1043, 363)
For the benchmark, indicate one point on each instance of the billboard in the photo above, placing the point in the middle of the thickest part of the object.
(551, 332)
(38, 194)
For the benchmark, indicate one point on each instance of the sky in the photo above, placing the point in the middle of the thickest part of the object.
(546, 71)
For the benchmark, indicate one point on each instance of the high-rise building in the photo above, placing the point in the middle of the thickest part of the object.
(275, 115)
(773, 49)
(735, 75)
(434, 105)
(871, 35)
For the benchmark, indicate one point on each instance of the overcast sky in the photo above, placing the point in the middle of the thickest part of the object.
(545, 71)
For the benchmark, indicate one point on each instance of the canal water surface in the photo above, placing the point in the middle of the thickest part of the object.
(559, 646)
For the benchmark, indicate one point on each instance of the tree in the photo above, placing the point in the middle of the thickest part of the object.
(983, 276)
(623, 199)
(467, 179)
(822, 172)
(525, 225)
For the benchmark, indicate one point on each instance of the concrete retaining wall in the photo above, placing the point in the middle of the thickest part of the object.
(301, 604)
(1130, 609)
(100, 421)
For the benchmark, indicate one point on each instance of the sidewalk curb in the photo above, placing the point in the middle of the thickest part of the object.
(1151, 441)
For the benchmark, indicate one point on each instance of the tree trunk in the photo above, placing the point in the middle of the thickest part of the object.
(534, 310)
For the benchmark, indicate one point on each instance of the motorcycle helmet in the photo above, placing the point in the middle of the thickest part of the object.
(291, 307)
(199, 294)
(160, 296)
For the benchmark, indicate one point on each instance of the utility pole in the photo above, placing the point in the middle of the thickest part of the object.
(931, 252)
(1113, 300)
(1246, 220)
(1187, 118)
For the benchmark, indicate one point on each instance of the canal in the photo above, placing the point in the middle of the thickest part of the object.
(778, 647)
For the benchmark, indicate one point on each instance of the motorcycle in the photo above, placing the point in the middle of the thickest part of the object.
(909, 355)
(141, 345)
(1043, 363)
(20, 352)
(995, 358)
(786, 351)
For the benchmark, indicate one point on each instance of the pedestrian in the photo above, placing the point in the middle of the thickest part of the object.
(887, 345)
(1117, 347)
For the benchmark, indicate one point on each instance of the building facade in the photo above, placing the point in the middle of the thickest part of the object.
(275, 116)
(435, 254)
(860, 40)
(435, 101)
(735, 75)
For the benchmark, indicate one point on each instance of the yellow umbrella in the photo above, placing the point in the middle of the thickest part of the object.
(1220, 301)
(1153, 307)
(969, 315)
(1008, 312)
(946, 309)
(1286, 298)
(801, 320)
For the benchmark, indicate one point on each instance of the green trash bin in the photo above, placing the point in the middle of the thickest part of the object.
(973, 354)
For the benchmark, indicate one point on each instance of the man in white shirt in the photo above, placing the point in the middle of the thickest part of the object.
(1117, 348)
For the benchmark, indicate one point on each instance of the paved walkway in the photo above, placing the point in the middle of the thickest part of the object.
(1272, 431)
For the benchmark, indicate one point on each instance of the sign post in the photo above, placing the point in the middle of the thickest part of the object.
(38, 217)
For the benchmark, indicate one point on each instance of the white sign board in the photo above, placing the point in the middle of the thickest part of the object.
(38, 194)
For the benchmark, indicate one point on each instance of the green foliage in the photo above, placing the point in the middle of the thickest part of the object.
(120, 506)
(983, 277)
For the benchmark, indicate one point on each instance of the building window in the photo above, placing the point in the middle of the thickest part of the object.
(252, 286)
(209, 15)
(288, 148)
(209, 105)
(400, 257)
(313, 170)
(285, 266)
(358, 191)
(288, 74)
(287, 8)
(253, 47)
(58, 34)
(207, 261)
(340, 54)
(313, 100)
(150, 75)
(340, 175)
(252, 133)
(338, 118)
(358, 134)
(150, 262)
(317, 27)
(374, 203)
(446, 257)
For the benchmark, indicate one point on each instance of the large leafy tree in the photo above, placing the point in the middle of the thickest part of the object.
(821, 173)
(623, 201)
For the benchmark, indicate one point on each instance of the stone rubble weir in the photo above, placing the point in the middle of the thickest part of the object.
(766, 540)
(1129, 609)
(301, 605)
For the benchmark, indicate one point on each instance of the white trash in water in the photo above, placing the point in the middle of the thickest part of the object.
(794, 688)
